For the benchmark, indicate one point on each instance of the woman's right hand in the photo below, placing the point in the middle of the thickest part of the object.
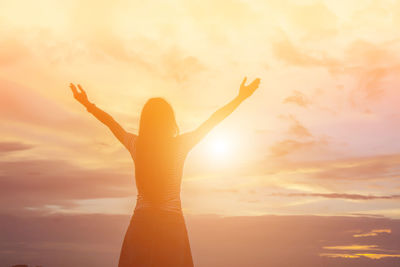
(79, 95)
(247, 90)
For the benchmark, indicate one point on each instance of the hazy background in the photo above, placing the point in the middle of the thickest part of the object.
(305, 171)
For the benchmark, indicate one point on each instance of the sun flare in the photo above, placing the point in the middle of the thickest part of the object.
(219, 148)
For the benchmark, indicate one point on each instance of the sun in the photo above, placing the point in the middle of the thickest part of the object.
(219, 147)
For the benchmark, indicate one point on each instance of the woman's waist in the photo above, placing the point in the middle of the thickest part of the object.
(169, 203)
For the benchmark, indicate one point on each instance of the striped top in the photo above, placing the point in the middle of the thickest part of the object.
(158, 172)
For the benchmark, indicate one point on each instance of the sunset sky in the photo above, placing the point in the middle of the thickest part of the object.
(319, 137)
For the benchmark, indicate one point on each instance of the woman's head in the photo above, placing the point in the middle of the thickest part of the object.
(157, 119)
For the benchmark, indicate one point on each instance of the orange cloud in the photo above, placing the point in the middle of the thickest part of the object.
(297, 129)
(374, 232)
(358, 255)
(285, 147)
(378, 256)
(340, 196)
(298, 98)
(353, 247)
(304, 140)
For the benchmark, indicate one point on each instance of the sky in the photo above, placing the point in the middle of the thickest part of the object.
(318, 138)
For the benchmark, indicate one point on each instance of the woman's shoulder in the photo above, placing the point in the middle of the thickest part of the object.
(182, 141)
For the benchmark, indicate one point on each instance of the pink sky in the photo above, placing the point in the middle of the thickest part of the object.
(324, 121)
(319, 137)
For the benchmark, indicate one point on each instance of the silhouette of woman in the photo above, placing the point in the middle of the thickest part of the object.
(157, 234)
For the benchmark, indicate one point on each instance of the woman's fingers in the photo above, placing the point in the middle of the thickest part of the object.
(82, 91)
(73, 88)
(244, 81)
(77, 90)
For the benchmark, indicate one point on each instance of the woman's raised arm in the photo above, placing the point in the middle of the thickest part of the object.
(192, 138)
(127, 139)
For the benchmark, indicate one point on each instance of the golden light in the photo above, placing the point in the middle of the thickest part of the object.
(219, 147)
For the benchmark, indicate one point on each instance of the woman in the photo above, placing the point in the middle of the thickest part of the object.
(157, 234)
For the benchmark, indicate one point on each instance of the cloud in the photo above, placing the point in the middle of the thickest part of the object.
(288, 146)
(95, 240)
(169, 63)
(357, 251)
(19, 103)
(338, 195)
(369, 64)
(297, 129)
(37, 183)
(368, 168)
(298, 98)
(353, 247)
(374, 232)
(286, 51)
(359, 255)
(301, 139)
(367, 70)
(375, 167)
(6, 147)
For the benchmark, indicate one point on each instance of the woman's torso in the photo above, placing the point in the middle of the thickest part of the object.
(158, 173)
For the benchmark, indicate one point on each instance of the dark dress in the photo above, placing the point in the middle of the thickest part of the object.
(157, 235)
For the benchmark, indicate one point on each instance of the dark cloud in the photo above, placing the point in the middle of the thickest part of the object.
(367, 168)
(35, 183)
(13, 146)
(338, 195)
(372, 168)
(95, 240)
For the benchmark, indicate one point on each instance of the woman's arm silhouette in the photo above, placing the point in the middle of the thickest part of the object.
(127, 139)
(192, 138)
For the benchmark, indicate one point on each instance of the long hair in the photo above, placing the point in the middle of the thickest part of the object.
(157, 121)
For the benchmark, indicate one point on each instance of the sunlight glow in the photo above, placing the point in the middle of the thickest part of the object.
(219, 147)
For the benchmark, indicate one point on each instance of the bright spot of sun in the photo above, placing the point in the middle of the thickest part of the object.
(219, 147)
